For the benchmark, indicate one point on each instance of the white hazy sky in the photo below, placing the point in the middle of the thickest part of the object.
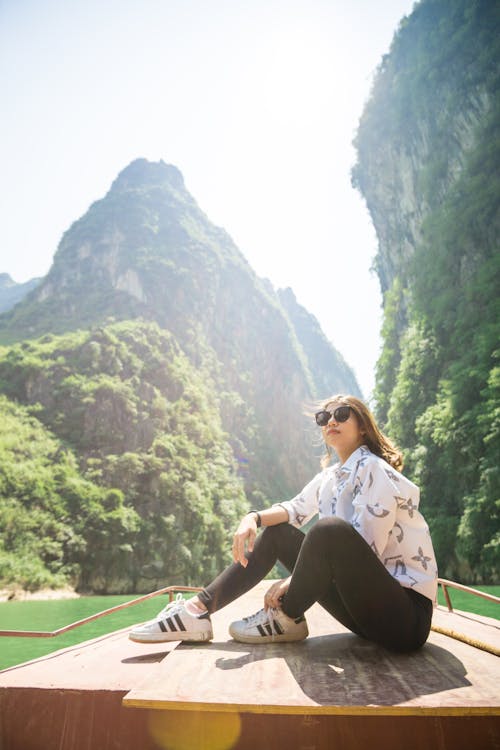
(255, 101)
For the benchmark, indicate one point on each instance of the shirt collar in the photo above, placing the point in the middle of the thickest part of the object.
(348, 466)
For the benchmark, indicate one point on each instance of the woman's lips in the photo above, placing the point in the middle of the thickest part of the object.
(333, 431)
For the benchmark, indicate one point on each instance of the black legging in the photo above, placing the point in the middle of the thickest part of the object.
(333, 565)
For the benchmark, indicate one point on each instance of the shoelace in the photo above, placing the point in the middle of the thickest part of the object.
(262, 617)
(172, 607)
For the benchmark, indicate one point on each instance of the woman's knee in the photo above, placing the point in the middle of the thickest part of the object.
(281, 542)
(273, 536)
(333, 534)
(276, 532)
(278, 529)
(330, 527)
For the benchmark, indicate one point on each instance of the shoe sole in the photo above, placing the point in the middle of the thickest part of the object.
(285, 638)
(160, 637)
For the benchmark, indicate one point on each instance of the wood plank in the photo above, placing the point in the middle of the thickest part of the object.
(333, 690)
(331, 672)
(109, 662)
(484, 632)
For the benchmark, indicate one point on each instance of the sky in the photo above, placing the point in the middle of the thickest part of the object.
(255, 101)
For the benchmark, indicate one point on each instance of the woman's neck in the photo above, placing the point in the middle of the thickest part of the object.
(345, 455)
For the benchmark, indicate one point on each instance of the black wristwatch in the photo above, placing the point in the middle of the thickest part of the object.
(259, 519)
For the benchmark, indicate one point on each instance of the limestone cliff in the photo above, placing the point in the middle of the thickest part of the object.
(430, 102)
(428, 166)
(322, 358)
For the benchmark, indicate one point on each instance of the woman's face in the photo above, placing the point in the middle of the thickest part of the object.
(343, 437)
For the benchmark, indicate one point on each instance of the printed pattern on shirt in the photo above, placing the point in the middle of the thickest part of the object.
(383, 506)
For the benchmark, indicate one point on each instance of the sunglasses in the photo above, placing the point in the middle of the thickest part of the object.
(340, 414)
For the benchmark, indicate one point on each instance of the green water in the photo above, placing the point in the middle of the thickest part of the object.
(470, 603)
(49, 615)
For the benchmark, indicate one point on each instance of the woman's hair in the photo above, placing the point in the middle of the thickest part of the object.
(374, 438)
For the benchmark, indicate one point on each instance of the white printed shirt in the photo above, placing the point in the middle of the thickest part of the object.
(382, 505)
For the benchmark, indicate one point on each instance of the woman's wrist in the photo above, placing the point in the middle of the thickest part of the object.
(258, 519)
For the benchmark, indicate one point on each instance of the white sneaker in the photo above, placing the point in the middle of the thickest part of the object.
(174, 623)
(270, 626)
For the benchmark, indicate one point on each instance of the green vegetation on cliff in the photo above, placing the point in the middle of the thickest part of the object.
(140, 485)
(428, 166)
(50, 515)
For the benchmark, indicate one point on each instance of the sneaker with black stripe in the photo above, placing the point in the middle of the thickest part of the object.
(174, 623)
(269, 627)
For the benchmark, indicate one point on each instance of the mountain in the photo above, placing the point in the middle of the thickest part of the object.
(428, 167)
(11, 293)
(171, 376)
(147, 251)
(322, 358)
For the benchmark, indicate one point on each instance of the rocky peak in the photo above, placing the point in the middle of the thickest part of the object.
(6, 281)
(11, 292)
(142, 173)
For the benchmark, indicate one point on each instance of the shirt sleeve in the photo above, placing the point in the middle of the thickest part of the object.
(375, 506)
(303, 506)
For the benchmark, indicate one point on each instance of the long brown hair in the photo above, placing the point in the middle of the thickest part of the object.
(374, 438)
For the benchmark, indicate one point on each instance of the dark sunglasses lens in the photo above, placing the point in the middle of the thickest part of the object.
(322, 417)
(341, 413)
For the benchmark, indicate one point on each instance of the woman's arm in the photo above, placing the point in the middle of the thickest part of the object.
(246, 532)
(304, 505)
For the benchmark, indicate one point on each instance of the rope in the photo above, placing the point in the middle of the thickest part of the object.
(465, 639)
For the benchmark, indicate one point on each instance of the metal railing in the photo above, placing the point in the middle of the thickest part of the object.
(170, 590)
(452, 585)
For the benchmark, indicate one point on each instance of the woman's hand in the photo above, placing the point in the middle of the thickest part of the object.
(244, 537)
(274, 595)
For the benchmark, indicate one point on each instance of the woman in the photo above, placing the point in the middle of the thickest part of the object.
(368, 560)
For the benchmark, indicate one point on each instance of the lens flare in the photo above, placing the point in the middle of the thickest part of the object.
(193, 730)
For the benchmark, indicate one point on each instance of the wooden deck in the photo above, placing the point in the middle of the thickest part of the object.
(331, 690)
